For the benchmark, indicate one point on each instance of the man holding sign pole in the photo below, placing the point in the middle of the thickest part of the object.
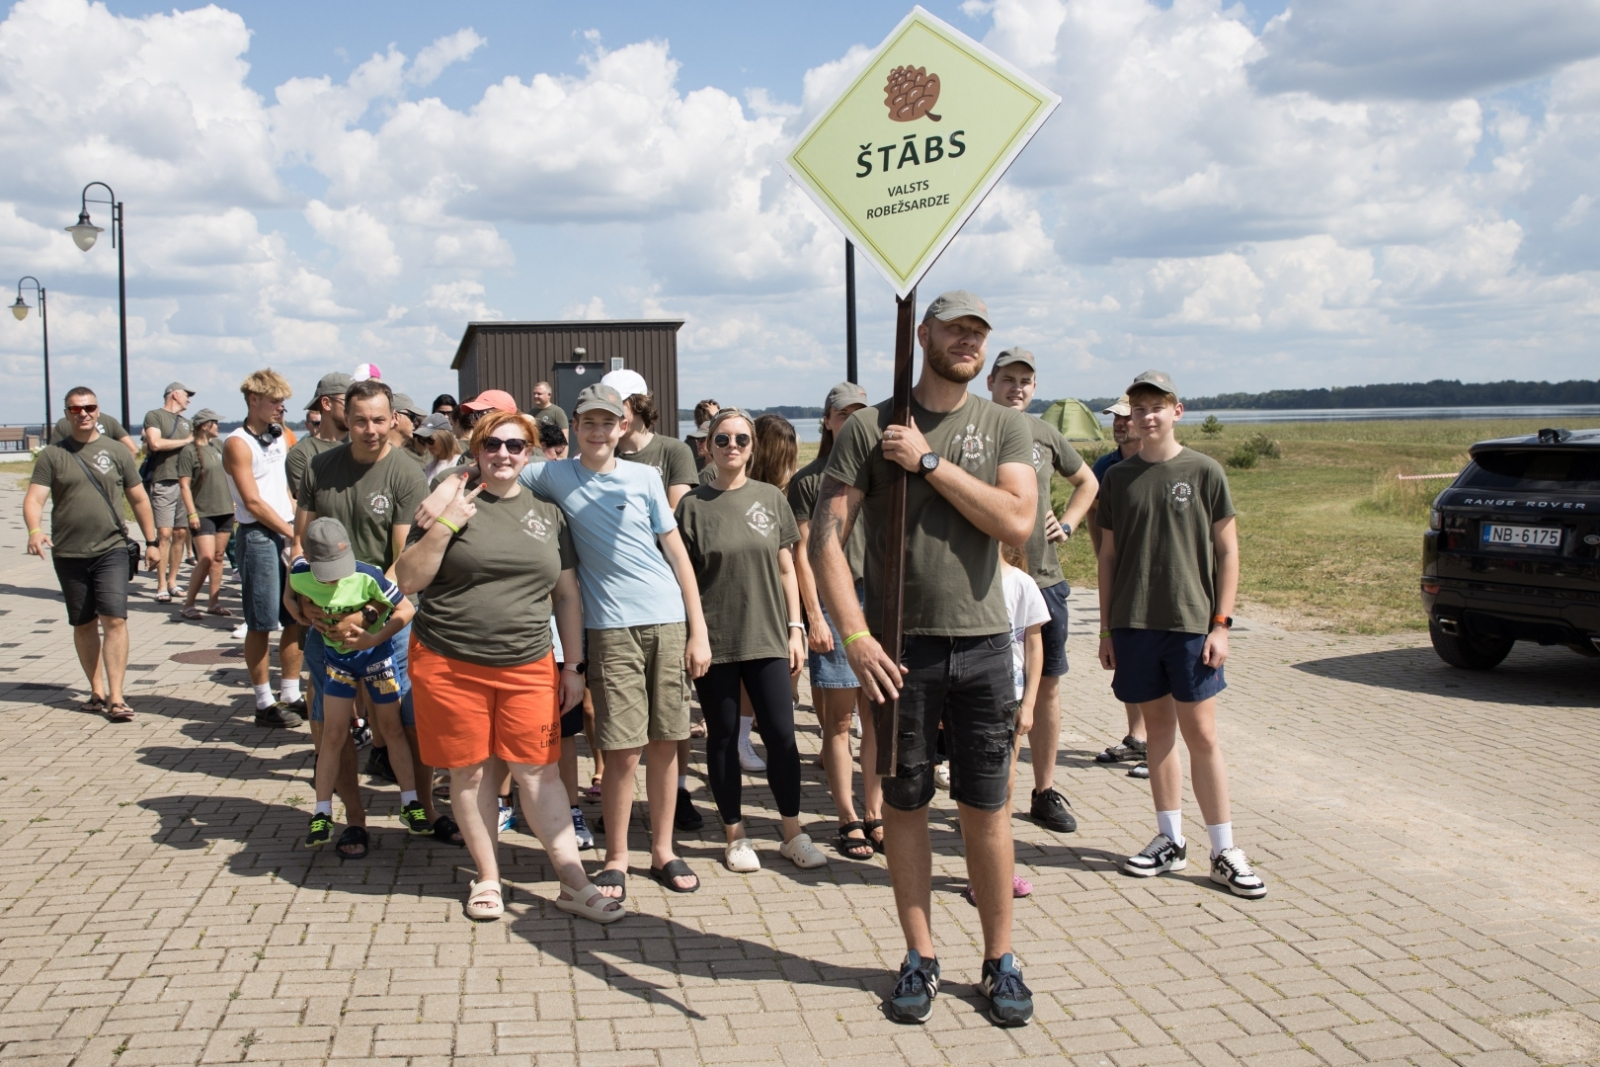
(970, 484)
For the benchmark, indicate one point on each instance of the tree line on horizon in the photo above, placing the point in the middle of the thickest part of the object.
(1439, 393)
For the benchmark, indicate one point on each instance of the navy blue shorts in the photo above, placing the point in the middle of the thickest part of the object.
(1054, 632)
(1152, 664)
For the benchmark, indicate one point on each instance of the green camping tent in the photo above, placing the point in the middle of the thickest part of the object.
(1075, 421)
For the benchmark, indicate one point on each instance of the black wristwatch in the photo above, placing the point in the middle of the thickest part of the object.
(928, 462)
(369, 614)
(581, 667)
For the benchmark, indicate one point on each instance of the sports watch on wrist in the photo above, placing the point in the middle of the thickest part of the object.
(581, 667)
(1224, 621)
(928, 463)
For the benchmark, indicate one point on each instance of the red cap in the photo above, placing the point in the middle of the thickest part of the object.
(491, 400)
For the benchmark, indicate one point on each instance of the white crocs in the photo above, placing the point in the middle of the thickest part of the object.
(741, 856)
(799, 851)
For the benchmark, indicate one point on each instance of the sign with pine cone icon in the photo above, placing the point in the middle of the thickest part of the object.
(909, 150)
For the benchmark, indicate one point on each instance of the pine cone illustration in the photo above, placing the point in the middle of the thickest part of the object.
(911, 93)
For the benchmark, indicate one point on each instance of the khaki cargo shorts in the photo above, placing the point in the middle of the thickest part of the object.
(639, 685)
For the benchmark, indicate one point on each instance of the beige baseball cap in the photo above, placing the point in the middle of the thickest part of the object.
(1121, 407)
(843, 395)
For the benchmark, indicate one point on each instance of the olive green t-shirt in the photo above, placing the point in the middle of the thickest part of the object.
(1159, 516)
(371, 499)
(208, 482)
(490, 601)
(733, 539)
(673, 460)
(299, 458)
(1052, 454)
(81, 525)
(804, 488)
(952, 570)
(553, 415)
(172, 426)
(105, 422)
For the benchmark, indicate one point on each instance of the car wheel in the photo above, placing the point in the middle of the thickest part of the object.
(1469, 653)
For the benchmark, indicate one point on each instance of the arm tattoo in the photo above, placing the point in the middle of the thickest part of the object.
(825, 523)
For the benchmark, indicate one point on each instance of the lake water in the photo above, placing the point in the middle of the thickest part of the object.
(809, 430)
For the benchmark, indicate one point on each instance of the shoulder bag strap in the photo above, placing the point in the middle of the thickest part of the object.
(116, 517)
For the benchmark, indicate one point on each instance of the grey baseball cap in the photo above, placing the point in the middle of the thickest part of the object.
(336, 384)
(843, 395)
(1016, 355)
(431, 425)
(1121, 407)
(403, 402)
(328, 550)
(204, 415)
(956, 303)
(600, 397)
(698, 433)
(176, 387)
(1159, 379)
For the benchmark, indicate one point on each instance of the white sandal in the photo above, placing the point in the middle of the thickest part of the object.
(741, 856)
(799, 851)
(484, 903)
(590, 903)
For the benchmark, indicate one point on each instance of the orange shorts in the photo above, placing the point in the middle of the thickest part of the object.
(466, 712)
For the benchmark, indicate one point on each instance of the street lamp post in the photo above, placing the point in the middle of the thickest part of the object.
(84, 234)
(20, 310)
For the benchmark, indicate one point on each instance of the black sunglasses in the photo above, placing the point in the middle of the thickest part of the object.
(514, 447)
(82, 409)
(722, 440)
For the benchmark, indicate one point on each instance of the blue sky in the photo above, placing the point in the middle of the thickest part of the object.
(1252, 195)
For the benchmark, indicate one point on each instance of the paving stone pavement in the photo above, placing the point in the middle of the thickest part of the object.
(1425, 833)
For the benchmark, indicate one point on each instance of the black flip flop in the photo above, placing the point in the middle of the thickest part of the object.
(353, 835)
(446, 830)
(674, 869)
(610, 878)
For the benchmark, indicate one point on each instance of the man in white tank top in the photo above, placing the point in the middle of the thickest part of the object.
(253, 456)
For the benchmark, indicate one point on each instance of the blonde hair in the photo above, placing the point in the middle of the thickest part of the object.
(268, 383)
(734, 413)
(1014, 556)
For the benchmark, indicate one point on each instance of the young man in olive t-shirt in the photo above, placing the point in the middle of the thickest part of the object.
(970, 484)
(1012, 384)
(1169, 574)
(88, 543)
(167, 433)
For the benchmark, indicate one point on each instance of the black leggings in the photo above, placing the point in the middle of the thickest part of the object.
(767, 681)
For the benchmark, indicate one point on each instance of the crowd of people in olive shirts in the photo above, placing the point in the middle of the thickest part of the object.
(473, 588)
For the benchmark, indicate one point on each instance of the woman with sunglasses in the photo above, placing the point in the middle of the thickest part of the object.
(487, 690)
(740, 535)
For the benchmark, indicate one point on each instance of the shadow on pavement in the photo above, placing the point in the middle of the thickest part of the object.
(267, 837)
(1531, 675)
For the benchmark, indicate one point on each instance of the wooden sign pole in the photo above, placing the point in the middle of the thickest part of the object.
(894, 570)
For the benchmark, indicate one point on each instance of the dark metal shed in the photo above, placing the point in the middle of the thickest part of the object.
(570, 355)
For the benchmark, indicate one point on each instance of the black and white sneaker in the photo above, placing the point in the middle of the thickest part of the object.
(1230, 868)
(1158, 857)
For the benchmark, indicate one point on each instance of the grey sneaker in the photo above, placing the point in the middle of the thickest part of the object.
(1010, 1001)
(1230, 868)
(914, 990)
(1159, 856)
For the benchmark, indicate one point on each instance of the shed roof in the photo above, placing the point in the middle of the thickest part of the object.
(554, 324)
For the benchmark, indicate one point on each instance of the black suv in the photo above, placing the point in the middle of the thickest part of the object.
(1512, 551)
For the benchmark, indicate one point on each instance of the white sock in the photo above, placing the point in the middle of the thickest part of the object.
(683, 782)
(263, 696)
(1171, 824)
(289, 691)
(408, 796)
(744, 729)
(324, 807)
(1221, 837)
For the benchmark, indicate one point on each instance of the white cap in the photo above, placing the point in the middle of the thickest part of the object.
(627, 383)
(366, 371)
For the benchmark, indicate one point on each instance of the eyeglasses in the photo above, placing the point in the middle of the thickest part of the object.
(722, 440)
(514, 447)
(82, 409)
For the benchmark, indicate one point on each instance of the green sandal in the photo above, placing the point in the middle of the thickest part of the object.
(321, 831)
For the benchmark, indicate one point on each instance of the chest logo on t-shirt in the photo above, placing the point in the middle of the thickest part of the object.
(1038, 457)
(974, 447)
(534, 525)
(379, 504)
(1182, 494)
(102, 462)
(760, 519)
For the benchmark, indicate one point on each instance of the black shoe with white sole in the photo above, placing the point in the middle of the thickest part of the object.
(1230, 868)
(1139, 770)
(1158, 857)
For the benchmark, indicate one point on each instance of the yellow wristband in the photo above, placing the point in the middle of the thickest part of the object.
(858, 635)
(36, 529)
(448, 525)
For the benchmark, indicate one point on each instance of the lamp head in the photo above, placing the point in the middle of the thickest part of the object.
(85, 232)
(20, 308)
